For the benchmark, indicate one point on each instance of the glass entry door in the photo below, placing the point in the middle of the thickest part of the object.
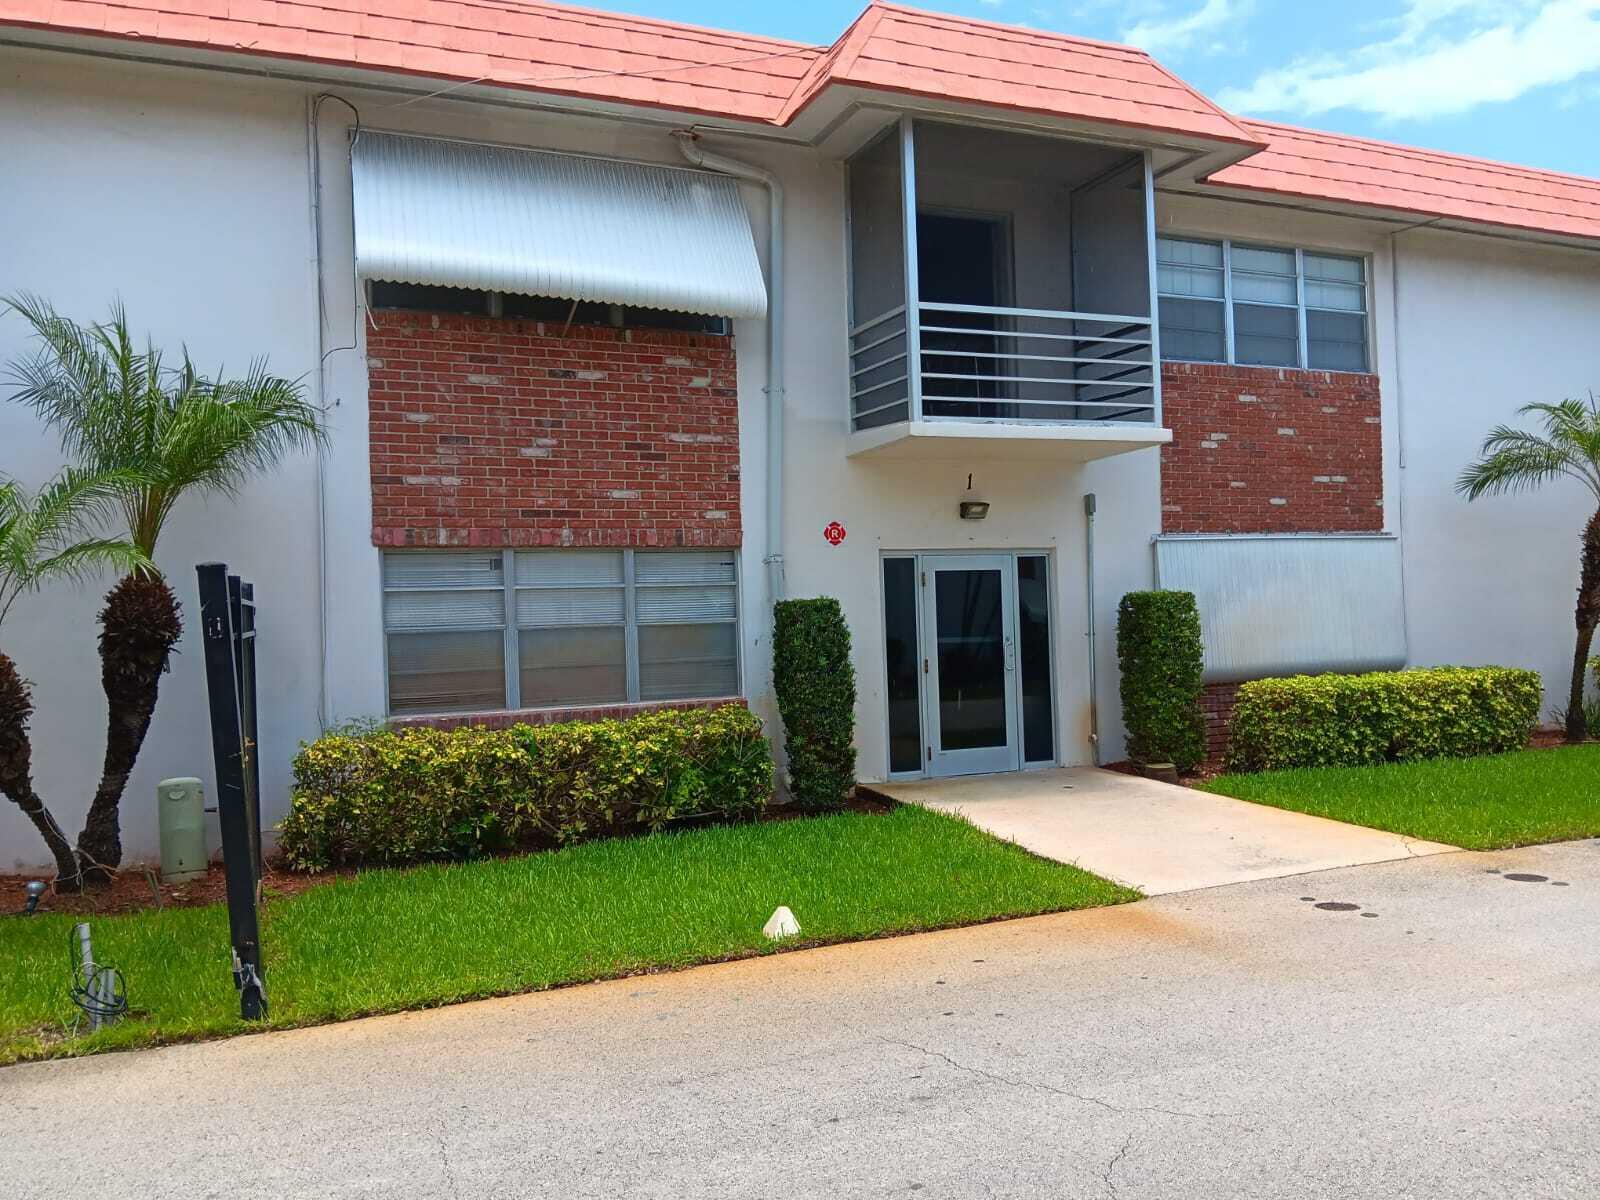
(969, 629)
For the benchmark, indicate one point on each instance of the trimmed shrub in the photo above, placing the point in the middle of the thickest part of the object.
(396, 796)
(816, 686)
(1384, 716)
(1159, 653)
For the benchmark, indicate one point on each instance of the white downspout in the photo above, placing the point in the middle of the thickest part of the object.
(688, 143)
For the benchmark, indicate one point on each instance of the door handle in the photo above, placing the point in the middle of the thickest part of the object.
(1011, 655)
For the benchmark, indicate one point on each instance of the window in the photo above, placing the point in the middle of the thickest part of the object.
(1261, 305)
(484, 630)
(422, 297)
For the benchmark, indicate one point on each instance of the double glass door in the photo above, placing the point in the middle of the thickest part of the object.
(969, 663)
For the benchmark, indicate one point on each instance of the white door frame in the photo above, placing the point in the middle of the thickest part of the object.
(976, 760)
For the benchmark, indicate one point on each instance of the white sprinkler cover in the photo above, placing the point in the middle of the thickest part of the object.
(781, 924)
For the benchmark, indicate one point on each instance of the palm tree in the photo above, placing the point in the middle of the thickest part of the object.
(117, 408)
(1516, 460)
(45, 535)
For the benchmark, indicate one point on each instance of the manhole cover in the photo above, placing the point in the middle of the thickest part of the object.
(1337, 906)
(1521, 878)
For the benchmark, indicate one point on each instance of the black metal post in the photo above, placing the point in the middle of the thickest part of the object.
(233, 801)
(242, 612)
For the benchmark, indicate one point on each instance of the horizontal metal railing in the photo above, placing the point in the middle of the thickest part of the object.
(997, 364)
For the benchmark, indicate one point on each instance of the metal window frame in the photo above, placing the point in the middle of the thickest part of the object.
(1298, 306)
(1365, 312)
(1226, 299)
(510, 628)
(1303, 357)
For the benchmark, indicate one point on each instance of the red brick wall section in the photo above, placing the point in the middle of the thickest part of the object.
(1270, 450)
(499, 432)
(1216, 705)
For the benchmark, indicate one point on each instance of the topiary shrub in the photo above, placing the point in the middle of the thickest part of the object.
(1159, 653)
(1383, 716)
(395, 796)
(816, 685)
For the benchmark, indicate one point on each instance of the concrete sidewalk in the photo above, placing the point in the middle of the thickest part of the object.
(1153, 836)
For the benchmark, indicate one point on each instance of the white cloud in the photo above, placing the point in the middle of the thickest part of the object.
(1164, 34)
(1442, 57)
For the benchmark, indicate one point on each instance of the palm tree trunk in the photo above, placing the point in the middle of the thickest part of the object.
(139, 626)
(16, 773)
(1588, 616)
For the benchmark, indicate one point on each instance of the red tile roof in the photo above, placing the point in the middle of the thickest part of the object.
(1312, 165)
(552, 48)
(581, 52)
(539, 47)
(920, 53)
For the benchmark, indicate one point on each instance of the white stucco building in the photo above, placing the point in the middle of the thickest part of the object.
(588, 417)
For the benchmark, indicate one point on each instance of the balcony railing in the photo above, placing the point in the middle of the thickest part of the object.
(974, 363)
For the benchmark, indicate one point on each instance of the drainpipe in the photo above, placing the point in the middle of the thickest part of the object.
(688, 143)
(1094, 688)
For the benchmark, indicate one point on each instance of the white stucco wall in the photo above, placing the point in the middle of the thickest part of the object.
(187, 198)
(1486, 326)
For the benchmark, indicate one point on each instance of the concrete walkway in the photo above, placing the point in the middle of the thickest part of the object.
(1156, 837)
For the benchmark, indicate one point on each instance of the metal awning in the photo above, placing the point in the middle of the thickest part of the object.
(535, 223)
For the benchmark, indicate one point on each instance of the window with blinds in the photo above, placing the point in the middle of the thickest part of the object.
(1261, 305)
(474, 630)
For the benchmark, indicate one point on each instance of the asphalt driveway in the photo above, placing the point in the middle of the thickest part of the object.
(1435, 1040)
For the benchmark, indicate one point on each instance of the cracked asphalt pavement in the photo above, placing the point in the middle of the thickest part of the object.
(1236, 1042)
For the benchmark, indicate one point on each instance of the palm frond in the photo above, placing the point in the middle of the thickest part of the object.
(1513, 460)
(120, 410)
(49, 534)
(80, 560)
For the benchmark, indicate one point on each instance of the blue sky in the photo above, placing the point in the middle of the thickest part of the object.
(1517, 80)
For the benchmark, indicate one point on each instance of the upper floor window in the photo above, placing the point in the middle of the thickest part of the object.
(473, 630)
(1224, 301)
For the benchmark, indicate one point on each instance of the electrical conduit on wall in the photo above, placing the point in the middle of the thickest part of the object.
(688, 144)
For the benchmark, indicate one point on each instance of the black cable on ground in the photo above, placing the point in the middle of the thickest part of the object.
(89, 990)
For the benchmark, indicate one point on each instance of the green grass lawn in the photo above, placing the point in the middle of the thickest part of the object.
(391, 940)
(1477, 803)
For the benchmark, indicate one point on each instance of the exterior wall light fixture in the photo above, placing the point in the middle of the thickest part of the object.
(974, 510)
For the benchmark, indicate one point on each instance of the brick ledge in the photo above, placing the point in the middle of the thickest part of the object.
(505, 718)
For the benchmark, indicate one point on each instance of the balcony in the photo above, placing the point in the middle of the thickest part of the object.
(1000, 288)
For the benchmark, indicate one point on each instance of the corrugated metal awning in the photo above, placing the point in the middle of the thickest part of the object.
(542, 224)
(1290, 604)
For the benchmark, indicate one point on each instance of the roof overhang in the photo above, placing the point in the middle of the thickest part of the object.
(1400, 219)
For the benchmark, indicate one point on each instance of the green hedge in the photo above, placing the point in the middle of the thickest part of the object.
(1385, 716)
(1159, 652)
(412, 795)
(816, 686)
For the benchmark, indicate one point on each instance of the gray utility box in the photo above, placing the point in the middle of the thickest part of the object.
(182, 806)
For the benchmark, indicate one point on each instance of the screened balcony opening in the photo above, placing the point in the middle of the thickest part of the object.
(999, 278)
(964, 260)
